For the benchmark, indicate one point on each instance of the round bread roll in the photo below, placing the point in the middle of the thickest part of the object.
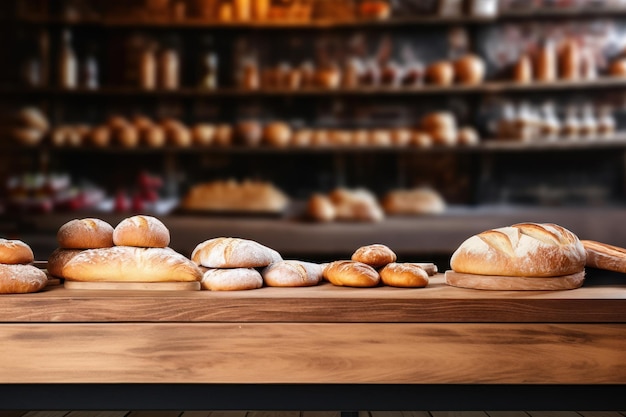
(179, 136)
(521, 250)
(20, 279)
(127, 136)
(401, 136)
(15, 252)
(380, 137)
(292, 274)
(440, 73)
(131, 264)
(360, 137)
(302, 138)
(444, 137)
(58, 258)
(228, 252)
(440, 120)
(421, 140)
(320, 208)
(203, 134)
(141, 231)
(249, 133)
(100, 136)
(467, 136)
(320, 138)
(376, 255)
(85, 234)
(351, 274)
(153, 136)
(404, 275)
(27, 135)
(223, 135)
(235, 279)
(277, 134)
(469, 70)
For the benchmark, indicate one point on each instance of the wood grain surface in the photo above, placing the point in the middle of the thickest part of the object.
(508, 283)
(125, 286)
(437, 303)
(315, 353)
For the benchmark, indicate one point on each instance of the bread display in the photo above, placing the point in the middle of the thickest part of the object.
(355, 205)
(604, 256)
(417, 201)
(17, 275)
(351, 274)
(320, 208)
(227, 252)
(292, 274)
(376, 255)
(235, 279)
(233, 196)
(15, 252)
(141, 231)
(58, 258)
(86, 233)
(406, 275)
(469, 70)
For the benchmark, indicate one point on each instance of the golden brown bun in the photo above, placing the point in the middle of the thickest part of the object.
(605, 256)
(328, 77)
(440, 73)
(60, 136)
(15, 252)
(223, 135)
(380, 137)
(521, 250)
(277, 134)
(153, 136)
(85, 234)
(467, 136)
(440, 120)
(228, 252)
(127, 136)
(234, 279)
(179, 136)
(360, 137)
(100, 136)
(320, 138)
(401, 136)
(249, 133)
(27, 136)
(203, 134)
(404, 275)
(58, 258)
(20, 279)
(376, 255)
(292, 274)
(141, 231)
(320, 208)
(351, 274)
(421, 140)
(129, 264)
(444, 137)
(413, 202)
(469, 70)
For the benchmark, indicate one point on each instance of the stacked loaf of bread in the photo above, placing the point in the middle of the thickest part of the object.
(136, 250)
(17, 274)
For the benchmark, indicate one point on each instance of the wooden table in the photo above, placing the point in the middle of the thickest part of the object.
(317, 348)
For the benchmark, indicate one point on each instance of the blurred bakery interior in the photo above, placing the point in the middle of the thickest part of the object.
(314, 126)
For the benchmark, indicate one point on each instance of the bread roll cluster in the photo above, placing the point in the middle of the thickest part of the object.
(441, 129)
(136, 250)
(343, 204)
(374, 264)
(17, 274)
(469, 69)
(30, 126)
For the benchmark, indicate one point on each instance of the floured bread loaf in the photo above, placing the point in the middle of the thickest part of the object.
(19, 279)
(15, 252)
(235, 279)
(376, 255)
(404, 275)
(521, 250)
(229, 252)
(292, 274)
(131, 264)
(85, 234)
(413, 202)
(58, 258)
(142, 232)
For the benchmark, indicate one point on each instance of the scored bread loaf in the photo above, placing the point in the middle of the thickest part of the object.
(19, 279)
(351, 274)
(292, 274)
(605, 256)
(85, 234)
(15, 252)
(131, 264)
(142, 232)
(521, 250)
(234, 279)
(376, 255)
(229, 252)
(58, 258)
(404, 275)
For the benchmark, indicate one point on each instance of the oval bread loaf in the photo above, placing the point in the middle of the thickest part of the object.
(234, 279)
(85, 234)
(58, 258)
(131, 264)
(230, 252)
(404, 275)
(142, 232)
(292, 274)
(376, 255)
(521, 250)
(15, 252)
(351, 274)
(20, 279)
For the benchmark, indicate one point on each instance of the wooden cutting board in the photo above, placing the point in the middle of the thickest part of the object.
(152, 286)
(498, 282)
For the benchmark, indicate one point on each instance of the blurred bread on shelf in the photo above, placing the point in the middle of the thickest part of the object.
(30, 126)
(416, 201)
(223, 135)
(277, 134)
(467, 136)
(203, 134)
(344, 204)
(441, 127)
(248, 133)
(100, 136)
(440, 73)
(233, 196)
(469, 70)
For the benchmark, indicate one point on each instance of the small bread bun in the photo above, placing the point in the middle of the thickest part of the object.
(15, 252)
(85, 234)
(302, 138)
(100, 136)
(320, 138)
(223, 135)
(440, 73)
(179, 136)
(227, 252)
(127, 136)
(20, 279)
(141, 231)
(444, 137)
(401, 136)
(404, 275)
(469, 70)
(438, 120)
(277, 134)
(203, 134)
(236, 279)
(58, 259)
(421, 139)
(351, 274)
(380, 137)
(320, 208)
(376, 255)
(153, 136)
(467, 136)
(249, 133)
(292, 274)
(27, 136)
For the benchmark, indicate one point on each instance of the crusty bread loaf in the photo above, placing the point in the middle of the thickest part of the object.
(415, 201)
(58, 258)
(235, 279)
(15, 252)
(277, 134)
(19, 279)
(203, 134)
(469, 69)
(292, 274)
(404, 275)
(141, 231)
(86, 233)
(356, 205)
(131, 264)
(521, 250)
(153, 136)
(229, 252)
(604, 256)
(351, 274)
(376, 255)
(320, 208)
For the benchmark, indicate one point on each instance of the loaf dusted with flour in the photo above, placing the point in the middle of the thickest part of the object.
(19, 279)
(231, 252)
(15, 252)
(58, 258)
(521, 250)
(375, 255)
(86, 233)
(142, 232)
(292, 274)
(351, 274)
(234, 279)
